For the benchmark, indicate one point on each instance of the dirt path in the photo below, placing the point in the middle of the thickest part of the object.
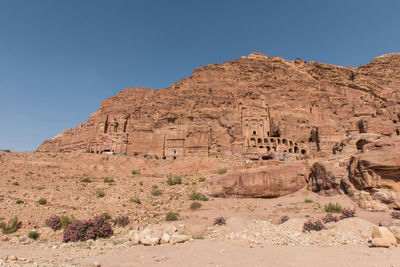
(209, 253)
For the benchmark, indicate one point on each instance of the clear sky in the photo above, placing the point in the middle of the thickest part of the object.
(60, 58)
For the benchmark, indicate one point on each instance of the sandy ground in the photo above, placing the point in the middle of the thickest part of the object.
(212, 253)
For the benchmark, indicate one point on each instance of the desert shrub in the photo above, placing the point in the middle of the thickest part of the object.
(134, 172)
(195, 205)
(19, 201)
(108, 180)
(156, 192)
(86, 180)
(54, 222)
(106, 215)
(330, 218)
(174, 179)
(100, 193)
(135, 200)
(395, 215)
(347, 213)
(197, 196)
(313, 226)
(202, 179)
(171, 216)
(11, 226)
(283, 219)
(222, 171)
(33, 235)
(98, 227)
(42, 201)
(122, 221)
(335, 208)
(65, 221)
(15, 183)
(308, 200)
(220, 221)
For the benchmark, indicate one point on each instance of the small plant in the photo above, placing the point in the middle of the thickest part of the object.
(86, 180)
(65, 221)
(100, 193)
(195, 205)
(156, 192)
(134, 172)
(220, 221)
(335, 208)
(98, 227)
(106, 215)
(330, 218)
(135, 200)
(15, 183)
(347, 213)
(222, 171)
(174, 179)
(283, 219)
(202, 179)
(33, 235)
(197, 196)
(313, 226)
(54, 222)
(122, 221)
(140, 183)
(308, 200)
(42, 201)
(19, 201)
(395, 215)
(11, 227)
(171, 216)
(108, 180)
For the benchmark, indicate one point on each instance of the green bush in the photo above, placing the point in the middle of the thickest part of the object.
(156, 192)
(100, 193)
(108, 180)
(174, 179)
(197, 196)
(65, 221)
(202, 179)
(171, 216)
(106, 215)
(33, 235)
(19, 201)
(42, 201)
(86, 180)
(195, 205)
(15, 183)
(135, 200)
(134, 172)
(222, 171)
(308, 200)
(11, 227)
(335, 208)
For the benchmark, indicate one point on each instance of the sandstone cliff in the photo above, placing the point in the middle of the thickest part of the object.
(252, 107)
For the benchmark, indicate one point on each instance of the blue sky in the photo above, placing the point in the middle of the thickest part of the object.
(60, 58)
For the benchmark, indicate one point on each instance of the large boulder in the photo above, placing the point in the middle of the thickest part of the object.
(382, 237)
(267, 181)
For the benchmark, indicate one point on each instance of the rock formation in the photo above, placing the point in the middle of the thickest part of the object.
(249, 107)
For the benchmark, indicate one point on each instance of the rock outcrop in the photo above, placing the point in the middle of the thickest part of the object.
(267, 181)
(247, 107)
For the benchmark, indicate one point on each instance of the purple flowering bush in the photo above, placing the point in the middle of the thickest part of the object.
(220, 220)
(395, 215)
(283, 219)
(98, 227)
(313, 226)
(54, 222)
(330, 218)
(347, 213)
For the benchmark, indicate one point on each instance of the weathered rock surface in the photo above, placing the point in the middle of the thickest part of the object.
(382, 237)
(267, 181)
(249, 107)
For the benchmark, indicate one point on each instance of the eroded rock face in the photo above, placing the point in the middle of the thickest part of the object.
(267, 181)
(248, 107)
